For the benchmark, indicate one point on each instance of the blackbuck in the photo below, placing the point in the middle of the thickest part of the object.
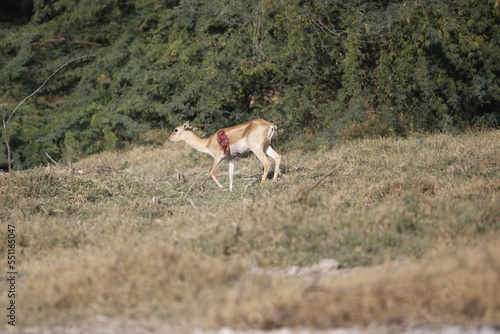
(230, 142)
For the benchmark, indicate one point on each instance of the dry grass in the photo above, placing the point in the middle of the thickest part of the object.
(461, 289)
(144, 234)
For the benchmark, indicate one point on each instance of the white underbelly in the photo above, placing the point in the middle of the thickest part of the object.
(239, 148)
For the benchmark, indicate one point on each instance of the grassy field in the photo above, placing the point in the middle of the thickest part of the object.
(145, 235)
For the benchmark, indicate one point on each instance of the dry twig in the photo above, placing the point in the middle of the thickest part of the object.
(189, 190)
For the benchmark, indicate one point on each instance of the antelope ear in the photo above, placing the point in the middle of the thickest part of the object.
(194, 128)
(185, 126)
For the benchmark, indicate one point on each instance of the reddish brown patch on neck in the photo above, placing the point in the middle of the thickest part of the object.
(223, 141)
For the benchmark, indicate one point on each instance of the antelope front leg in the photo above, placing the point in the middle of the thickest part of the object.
(232, 161)
(216, 164)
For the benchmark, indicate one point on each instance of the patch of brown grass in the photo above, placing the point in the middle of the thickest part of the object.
(138, 282)
(130, 238)
(463, 289)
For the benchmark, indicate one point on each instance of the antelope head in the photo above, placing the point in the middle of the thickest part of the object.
(179, 133)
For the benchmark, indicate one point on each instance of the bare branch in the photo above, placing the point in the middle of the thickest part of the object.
(67, 41)
(6, 121)
(50, 76)
(7, 143)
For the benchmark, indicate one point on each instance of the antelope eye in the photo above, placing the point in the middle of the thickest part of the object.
(176, 130)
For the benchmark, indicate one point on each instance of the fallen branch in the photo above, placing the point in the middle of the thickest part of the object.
(303, 194)
(192, 185)
(106, 167)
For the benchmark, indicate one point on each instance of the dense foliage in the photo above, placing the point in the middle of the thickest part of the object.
(342, 67)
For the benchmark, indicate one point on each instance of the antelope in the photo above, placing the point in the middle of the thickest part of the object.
(230, 142)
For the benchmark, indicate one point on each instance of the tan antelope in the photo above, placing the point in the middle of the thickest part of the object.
(230, 142)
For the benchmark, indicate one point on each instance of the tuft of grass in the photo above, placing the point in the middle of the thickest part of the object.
(145, 234)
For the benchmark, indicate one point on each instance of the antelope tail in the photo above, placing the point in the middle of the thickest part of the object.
(270, 132)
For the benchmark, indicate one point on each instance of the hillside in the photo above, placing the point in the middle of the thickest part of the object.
(143, 237)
